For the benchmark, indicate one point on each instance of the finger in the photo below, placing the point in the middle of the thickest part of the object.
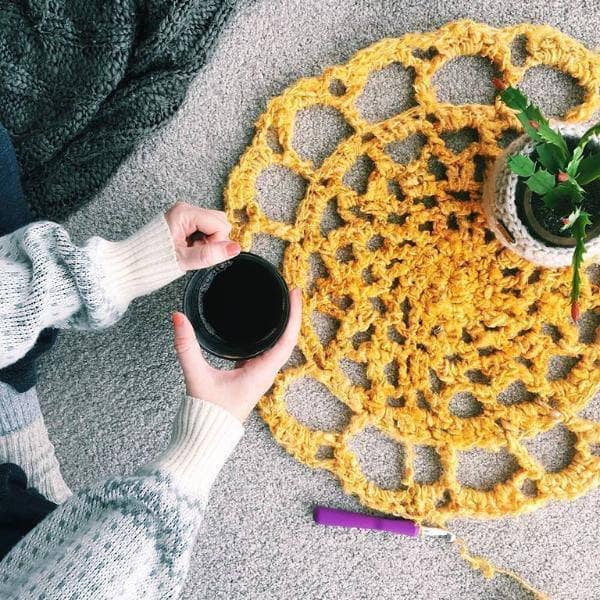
(276, 357)
(210, 222)
(209, 253)
(190, 357)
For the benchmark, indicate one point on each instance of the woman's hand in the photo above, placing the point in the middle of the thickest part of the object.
(237, 391)
(200, 235)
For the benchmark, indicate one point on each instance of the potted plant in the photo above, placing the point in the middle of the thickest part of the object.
(542, 198)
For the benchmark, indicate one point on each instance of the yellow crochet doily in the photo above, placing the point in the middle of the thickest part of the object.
(445, 307)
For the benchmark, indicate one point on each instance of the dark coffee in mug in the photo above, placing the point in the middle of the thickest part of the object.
(239, 308)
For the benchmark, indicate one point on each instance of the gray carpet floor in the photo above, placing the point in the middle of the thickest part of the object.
(109, 397)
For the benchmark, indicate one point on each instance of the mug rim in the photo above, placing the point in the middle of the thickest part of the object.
(217, 346)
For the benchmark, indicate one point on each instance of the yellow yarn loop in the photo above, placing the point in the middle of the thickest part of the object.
(440, 300)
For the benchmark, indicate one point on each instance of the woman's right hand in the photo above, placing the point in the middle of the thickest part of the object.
(237, 390)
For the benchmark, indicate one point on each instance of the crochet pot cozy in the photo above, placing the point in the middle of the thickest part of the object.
(500, 204)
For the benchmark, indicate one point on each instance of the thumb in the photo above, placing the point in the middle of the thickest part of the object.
(209, 253)
(188, 351)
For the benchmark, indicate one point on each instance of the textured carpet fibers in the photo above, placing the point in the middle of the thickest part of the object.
(109, 397)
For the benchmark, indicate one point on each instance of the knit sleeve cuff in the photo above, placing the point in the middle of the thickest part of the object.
(140, 264)
(204, 436)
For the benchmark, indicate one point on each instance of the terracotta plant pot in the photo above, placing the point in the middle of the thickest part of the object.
(239, 308)
(520, 219)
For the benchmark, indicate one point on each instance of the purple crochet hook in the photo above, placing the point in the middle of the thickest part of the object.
(345, 518)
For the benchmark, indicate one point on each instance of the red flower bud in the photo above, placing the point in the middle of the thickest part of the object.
(565, 221)
(534, 125)
(575, 311)
(499, 84)
(562, 176)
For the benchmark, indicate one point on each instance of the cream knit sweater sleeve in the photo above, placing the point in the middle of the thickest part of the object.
(46, 280)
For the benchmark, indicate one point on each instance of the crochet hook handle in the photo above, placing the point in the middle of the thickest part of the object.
(344, 518)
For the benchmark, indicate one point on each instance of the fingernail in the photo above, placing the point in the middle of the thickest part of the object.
(177, 319)
(232, 249)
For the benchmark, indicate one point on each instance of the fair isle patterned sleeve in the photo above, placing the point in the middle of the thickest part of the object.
(46, 280)
(128, 537)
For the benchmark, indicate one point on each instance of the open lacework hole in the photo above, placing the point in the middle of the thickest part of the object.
(529, 488)
(552, 331)
(363, 336)
(324, 453)
(345, 254)
(588, 324)
(425, 53)
(405, 150)
(518, 50)
(465, 405)
(375, 242)
(395, 190)
(560, 366)
(296, 359)
(357, 176)
(435, 383)
(378, 304)
(483, 469)
(427, 465)
(337, 87)
(317, 132)
(331, 218)
(325, 326)
(391, 372)
(397, 402)
(396, 337)
(356, 372)
(437, 168)
(381, 458)
(458, 140)
(272, 139)
(515, 393)
(593, 274)
(240, 215)
(317, 270)
(279, 191)
(269, 247)
(478, 376)
(552, 90)
(507, 137)
(480, 166)
(553, 449)
(592, 409)
(388, 92)
(314, 406)
(466, 80)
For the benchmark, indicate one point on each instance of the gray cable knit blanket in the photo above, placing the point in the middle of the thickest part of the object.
(83, 81)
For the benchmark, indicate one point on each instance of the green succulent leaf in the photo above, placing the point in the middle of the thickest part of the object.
(552, 137)
(529, 130)
(563, 196)
(578, 232)
(514, 98)
(589, 169)
(541, 182)
(521, 165)
(585, 138)
(573, 166)
(550, 157)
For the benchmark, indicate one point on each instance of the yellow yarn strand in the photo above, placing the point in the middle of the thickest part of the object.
(438, 297)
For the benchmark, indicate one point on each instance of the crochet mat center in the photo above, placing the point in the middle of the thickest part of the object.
(453, 335)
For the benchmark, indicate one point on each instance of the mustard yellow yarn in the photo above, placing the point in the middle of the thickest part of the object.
(449, 299)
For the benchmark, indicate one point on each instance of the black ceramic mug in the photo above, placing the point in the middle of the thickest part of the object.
(239, 308)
